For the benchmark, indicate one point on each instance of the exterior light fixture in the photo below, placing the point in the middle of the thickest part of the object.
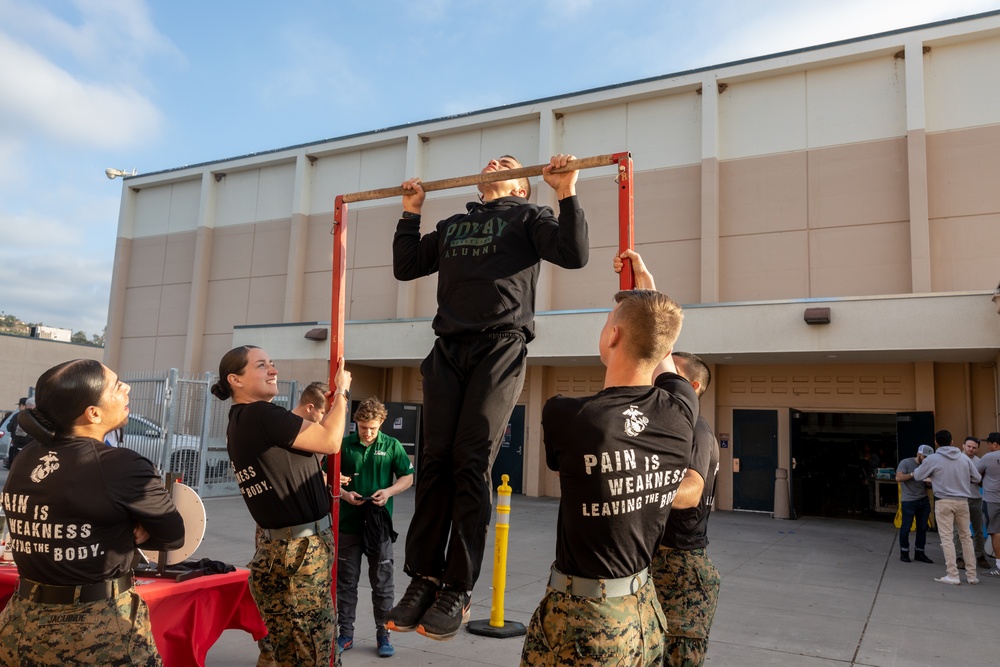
(817, 316)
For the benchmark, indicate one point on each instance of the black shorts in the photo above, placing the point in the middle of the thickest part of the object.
(991, 514)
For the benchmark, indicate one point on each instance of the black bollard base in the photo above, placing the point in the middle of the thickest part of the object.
(509, 629)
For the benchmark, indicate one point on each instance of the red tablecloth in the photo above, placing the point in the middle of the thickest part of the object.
(187, 617)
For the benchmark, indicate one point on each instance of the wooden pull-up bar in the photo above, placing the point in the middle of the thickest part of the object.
(488, 177)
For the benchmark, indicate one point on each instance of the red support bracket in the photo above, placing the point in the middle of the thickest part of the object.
(626, 216)
(338, 296)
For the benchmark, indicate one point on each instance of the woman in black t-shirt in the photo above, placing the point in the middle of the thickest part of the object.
(272, 451)
(76, 510)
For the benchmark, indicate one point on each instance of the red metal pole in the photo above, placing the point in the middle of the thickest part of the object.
(337, 301)
(626, 217)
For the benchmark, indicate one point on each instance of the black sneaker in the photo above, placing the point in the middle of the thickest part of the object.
(922, 557)
(417, 599)
(983, 564)
(960, 563)
(446, 616)
(905, 556)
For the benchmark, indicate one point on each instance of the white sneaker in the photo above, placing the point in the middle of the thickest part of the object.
(954, 581)
(973, 581)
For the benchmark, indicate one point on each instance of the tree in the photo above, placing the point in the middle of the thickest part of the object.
(79, 337)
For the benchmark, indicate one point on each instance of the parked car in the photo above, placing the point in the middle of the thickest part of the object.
(146, 437)
(5, 430)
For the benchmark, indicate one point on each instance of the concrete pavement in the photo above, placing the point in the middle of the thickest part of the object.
(812, 592)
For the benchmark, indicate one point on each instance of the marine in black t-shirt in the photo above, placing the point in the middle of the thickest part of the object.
(71, 506)
(621, 455)
(687, 528)
(281, 486)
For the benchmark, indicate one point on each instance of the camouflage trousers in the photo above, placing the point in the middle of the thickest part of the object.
(570, 630)
(687, 585)
(115, 631)
(290, 582)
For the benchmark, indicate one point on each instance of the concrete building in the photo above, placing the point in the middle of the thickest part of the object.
(859, 176)
(24, 358)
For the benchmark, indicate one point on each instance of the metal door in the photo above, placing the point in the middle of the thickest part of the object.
(755, 458)
(510, 458)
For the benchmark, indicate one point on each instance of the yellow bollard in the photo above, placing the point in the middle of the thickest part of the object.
(496, 627)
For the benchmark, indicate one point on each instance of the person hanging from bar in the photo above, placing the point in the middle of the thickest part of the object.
(487, 260)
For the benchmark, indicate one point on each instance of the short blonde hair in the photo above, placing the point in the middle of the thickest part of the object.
(650, 322)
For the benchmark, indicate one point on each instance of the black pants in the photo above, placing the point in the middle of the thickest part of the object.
(470, 387)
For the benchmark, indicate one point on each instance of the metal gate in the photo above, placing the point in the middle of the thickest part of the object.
(166, 407)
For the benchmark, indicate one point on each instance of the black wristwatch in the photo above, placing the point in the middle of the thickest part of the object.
(410, 215)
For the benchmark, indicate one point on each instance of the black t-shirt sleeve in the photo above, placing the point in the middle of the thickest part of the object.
(278, 425)
(136, 486)
(681, 390)
(701, 451)
(554, 415)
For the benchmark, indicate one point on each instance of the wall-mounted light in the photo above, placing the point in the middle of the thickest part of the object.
(114, 173)
(316, 334)
(817, 316)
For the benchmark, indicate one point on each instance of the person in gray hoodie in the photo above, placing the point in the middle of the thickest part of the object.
(952, 475)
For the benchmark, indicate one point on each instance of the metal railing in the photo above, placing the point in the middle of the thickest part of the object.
(167, 408)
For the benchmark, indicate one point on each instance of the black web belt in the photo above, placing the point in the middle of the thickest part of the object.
(46, 594)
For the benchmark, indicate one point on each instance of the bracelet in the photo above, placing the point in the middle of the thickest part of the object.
(409, 215)
(342, 392)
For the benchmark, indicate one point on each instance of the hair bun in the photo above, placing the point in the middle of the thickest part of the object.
(221, 391)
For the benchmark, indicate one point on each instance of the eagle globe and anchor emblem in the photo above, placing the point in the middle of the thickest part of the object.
(635, 421)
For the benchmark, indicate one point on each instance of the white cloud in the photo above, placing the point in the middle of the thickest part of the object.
(787, 26)
(22, 232)
(37, 96)
(59, 289)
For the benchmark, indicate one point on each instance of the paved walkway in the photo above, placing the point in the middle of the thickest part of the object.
(813, 592)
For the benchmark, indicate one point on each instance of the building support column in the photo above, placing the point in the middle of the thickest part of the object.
(298, 238)
(119, 280)
(194, 340)
(916, 159)
(710, 191)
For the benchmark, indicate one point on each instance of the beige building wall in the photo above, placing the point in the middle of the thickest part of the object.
(862, 175)
(24, 359)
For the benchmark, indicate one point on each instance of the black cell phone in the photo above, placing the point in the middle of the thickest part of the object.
(366, 498)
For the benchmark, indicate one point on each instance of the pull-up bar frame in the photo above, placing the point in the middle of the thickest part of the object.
(626, 241)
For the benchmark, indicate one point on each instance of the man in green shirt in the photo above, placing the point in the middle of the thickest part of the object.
(371, 459)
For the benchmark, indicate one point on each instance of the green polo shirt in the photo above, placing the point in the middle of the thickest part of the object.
(371, 468)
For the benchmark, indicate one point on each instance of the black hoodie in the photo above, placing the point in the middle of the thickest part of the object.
(487, 260)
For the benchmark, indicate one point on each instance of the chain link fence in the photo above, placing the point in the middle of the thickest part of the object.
(176, 423)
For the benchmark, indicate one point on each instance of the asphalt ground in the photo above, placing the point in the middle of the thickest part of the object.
(811, 592)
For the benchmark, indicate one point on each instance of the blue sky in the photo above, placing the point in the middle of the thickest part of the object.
(91, 84)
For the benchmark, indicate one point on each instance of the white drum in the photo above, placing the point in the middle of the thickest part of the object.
(192, 510)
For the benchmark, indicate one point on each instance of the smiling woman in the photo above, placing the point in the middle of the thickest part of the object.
(281, 481)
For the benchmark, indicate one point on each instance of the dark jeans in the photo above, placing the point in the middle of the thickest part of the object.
(470, 387)
(350, 552)
(921, 509)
